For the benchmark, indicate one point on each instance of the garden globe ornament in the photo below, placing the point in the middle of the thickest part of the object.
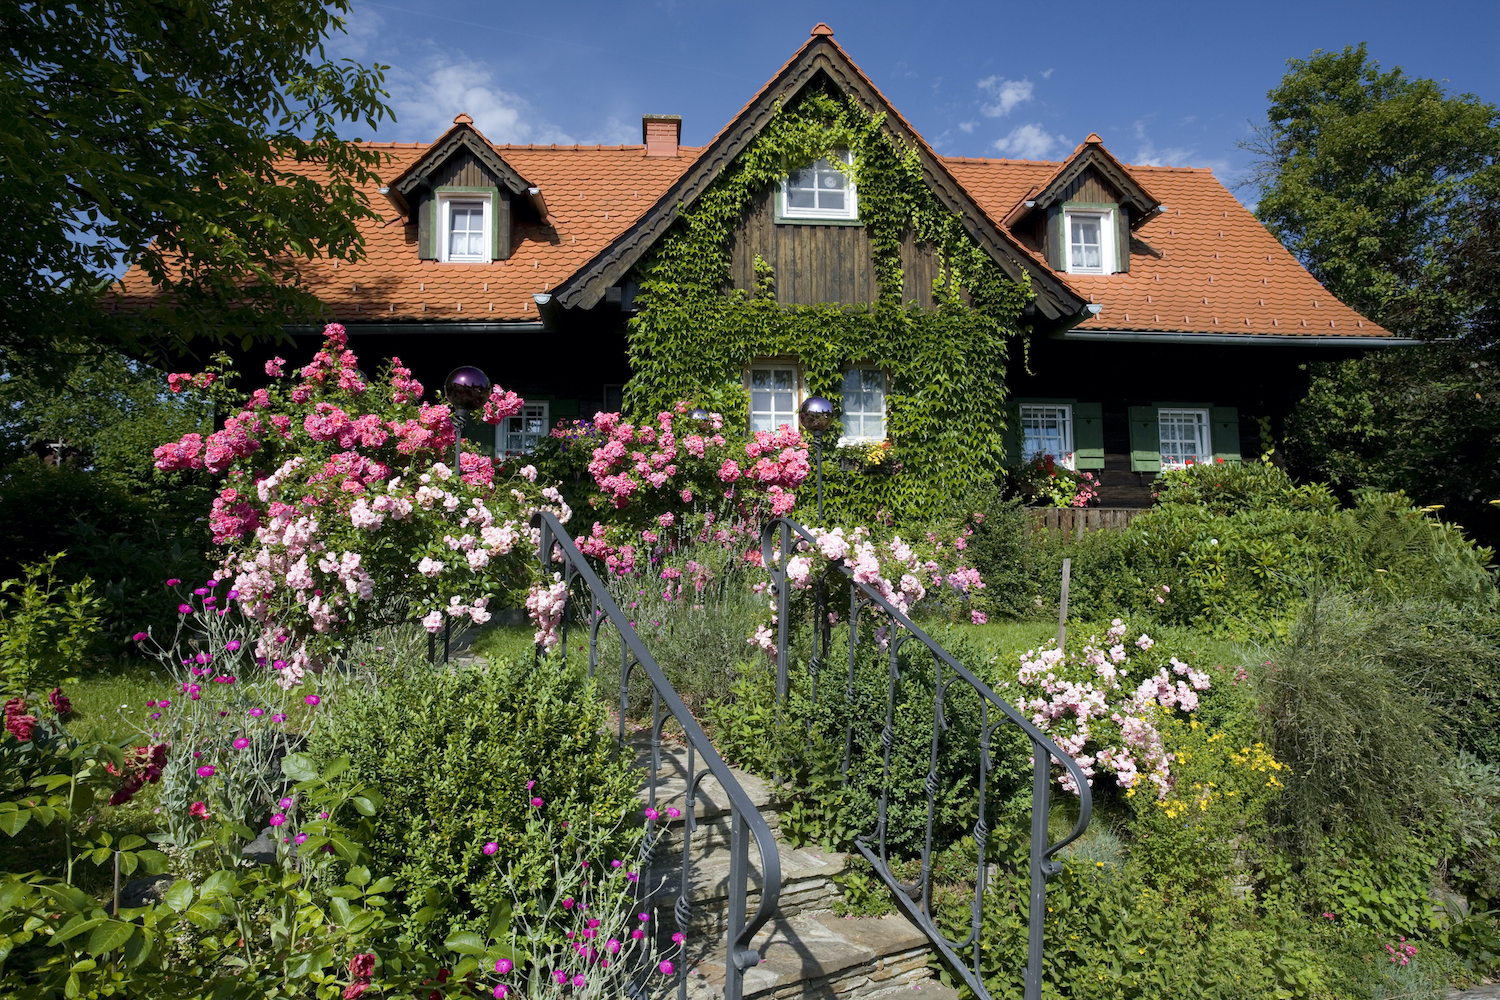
(816, 415)
(467, 388)
(699, 414)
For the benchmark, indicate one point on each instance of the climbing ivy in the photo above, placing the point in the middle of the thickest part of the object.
(694, 335)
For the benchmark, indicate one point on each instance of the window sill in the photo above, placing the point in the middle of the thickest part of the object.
(797, 220)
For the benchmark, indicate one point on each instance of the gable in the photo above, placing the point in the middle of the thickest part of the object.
(820, 59)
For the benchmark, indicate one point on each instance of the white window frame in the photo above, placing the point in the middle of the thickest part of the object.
(1106, 219)
(445, 202)
(844, 410)
(1039, 411)
(850, 211)
(1204, 435)
(503, 431)
(770, 366)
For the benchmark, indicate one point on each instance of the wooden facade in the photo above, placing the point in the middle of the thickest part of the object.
(815, 264)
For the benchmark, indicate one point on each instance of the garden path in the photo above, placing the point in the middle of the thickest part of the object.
(1488, 991)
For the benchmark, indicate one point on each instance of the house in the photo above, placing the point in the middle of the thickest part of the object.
(1161, 324)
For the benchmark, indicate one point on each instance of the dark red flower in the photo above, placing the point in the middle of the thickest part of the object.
(60, 701)
(362, 966)
(20, 726)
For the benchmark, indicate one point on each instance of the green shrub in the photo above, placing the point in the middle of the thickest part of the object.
(1242, 573)
(1365, 748)
(1241, 486)
(808, 743)
(47, 630)
(128, 544)
(452, 752)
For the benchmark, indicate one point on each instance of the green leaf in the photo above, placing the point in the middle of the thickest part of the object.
(12, 893)
(464, 967)
(12, 819)
(76, 926)
(359, 876)
(299, 767)
(155, 862)
(340, 910)
(204, 915)
(179, 895)
(336, 767)
(363, 805)
(384, 884)
(131, 842)
(218, 885)
(109, 935)
(138, 948)
(465, 943)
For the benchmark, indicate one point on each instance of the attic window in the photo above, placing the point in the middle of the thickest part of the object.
(1090, 242)
(466, 223)
(819, 190)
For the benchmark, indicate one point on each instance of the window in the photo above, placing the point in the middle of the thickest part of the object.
(863, 405)
(819, 191)
(1090, 242)
(1047, 429)
(1184, 437)
(519, 434)
(773, 397)
(464, 235)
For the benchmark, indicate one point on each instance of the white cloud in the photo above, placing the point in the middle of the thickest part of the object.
(1047, 74)
(1006, 94)
(426, 102)
(362, 29)
(1028, 142)
(967, 126)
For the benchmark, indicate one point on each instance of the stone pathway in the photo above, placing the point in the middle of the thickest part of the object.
(1488, 991)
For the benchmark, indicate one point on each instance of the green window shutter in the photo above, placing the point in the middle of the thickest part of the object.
(1224, 422)
(500, 226)
(1145, 440)
(1055, 236)
(1122, 238)
(1011, 436)
(1088, 435)
(426, 225)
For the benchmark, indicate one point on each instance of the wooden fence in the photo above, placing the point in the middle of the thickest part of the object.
(1076, 521)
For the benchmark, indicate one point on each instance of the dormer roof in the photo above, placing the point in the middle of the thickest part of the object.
(1089, 155)
(462, 136)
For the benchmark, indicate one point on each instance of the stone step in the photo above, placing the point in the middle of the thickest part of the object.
(823, 957)
(807, 884)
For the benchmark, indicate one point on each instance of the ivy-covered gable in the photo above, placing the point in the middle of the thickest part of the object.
(943, 353)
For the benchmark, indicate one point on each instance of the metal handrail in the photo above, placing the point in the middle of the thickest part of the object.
(778, 540)
(555, 545)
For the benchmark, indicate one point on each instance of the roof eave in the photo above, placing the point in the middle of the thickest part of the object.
(1237, 339)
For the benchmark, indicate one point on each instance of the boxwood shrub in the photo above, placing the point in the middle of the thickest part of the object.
(452, 752)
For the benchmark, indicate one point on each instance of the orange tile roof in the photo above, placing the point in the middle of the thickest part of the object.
(1209, 266)
(593, 194)
(1212, 267)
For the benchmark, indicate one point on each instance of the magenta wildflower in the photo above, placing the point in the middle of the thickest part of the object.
(578, 980)
(285, 803)
(501, 990)
(232, 645)
(185, 609)
(278, 820)
(256, 713)
(568, 903)
(616, 864)
(666, 968)
(673, 812)
(678, 938)
(206, 771)
(613, 946)
(140, 637)
(651, 814)
(491, 847)
(312, 699)
(536, 803)
(637, 934)
(241, 743)
(211, 584)
(301, 838)
(173, 582)
(201, 591)
(503, 966)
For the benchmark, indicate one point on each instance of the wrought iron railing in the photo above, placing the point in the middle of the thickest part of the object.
(746, 823)
(779, 543)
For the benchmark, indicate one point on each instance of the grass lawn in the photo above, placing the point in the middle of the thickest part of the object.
(504, 642)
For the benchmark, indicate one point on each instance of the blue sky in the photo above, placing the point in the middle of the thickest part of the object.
(1166, 83)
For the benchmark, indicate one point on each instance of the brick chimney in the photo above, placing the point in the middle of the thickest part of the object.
(661, 134)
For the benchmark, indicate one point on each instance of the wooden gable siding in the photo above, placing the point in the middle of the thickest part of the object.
(464, 170)
(1089, 187)
(822, 264)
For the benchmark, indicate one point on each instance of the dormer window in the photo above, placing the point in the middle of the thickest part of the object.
(820, 190)
(465, 226)
(1091, 242)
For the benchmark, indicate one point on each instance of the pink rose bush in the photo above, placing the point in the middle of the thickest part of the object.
(340, 509)
(1105, 703)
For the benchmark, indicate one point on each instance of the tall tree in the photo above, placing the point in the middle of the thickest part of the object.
(1388, 190)
(1364, 174)
(198, 138)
